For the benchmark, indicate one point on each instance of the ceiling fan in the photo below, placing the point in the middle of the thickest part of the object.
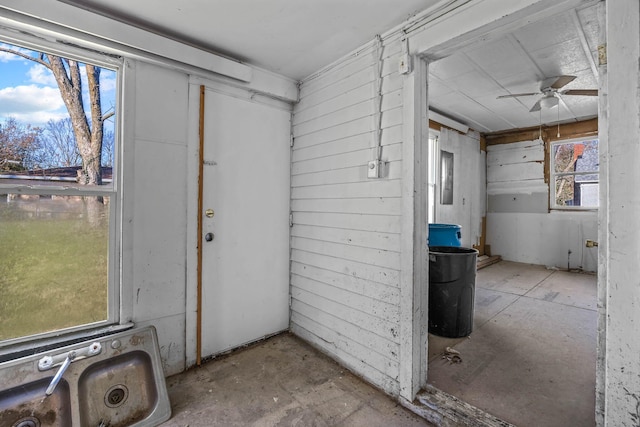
(550, 91)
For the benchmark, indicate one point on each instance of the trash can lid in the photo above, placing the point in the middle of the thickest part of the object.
(437, 226)
(451, 250)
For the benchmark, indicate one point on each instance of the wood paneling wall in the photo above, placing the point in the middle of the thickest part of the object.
(345, 237)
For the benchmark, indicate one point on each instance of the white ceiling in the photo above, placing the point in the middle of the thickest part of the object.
(296, 38)
(465, 85)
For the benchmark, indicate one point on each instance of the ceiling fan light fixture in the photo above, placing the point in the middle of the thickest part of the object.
(549, 102)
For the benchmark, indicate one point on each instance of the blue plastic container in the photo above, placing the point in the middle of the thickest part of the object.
(444, 235)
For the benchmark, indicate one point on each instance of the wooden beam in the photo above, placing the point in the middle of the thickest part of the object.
(580, 129)
(435, 125)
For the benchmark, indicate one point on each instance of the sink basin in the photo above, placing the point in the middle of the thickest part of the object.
(119, 391)
(27, 406)
(116, 380)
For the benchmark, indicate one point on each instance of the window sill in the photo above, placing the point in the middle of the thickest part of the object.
(574, 210)
(39, 345)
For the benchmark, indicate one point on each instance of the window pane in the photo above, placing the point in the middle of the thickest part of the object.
(39, 138)
(576, 157)
(54, 262)
(57, 136)
(570, 191)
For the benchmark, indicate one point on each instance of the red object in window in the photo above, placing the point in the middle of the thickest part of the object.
(578, 150)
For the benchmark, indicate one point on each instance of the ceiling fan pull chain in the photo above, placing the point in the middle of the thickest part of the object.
(540, 130)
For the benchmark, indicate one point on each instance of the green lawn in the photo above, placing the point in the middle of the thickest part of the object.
(53, 266)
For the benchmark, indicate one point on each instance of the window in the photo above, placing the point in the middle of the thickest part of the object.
(574, 174)
(433, 158)
(58, 192)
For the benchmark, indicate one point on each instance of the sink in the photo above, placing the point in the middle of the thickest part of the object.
(120, 391)
(27, 406)
(116, 380)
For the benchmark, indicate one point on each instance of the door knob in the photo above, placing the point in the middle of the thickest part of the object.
(208, 237)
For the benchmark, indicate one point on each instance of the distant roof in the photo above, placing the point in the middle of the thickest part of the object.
(588, 160)
(52, 176)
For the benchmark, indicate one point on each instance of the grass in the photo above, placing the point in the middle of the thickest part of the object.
(53, 266)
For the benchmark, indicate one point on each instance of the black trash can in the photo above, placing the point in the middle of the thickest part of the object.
(452, 283)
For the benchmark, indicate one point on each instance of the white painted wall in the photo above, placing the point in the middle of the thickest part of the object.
(519, 226)
(345, 240)
(469, 194)
(619, 217)
(154, 201)
(159, 133)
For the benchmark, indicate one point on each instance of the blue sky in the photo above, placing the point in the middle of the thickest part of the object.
(29, 93)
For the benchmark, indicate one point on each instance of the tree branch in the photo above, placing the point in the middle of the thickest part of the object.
(25, 56)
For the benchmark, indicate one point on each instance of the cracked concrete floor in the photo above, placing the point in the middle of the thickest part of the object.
(281, 381)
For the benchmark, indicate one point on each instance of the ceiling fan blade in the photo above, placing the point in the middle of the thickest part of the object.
(518, 94)
(583, 92)
(536, 107)
(562, 81)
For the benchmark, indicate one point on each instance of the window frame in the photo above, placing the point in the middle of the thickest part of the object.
(433, 174)
(554, 175)
(55, 45)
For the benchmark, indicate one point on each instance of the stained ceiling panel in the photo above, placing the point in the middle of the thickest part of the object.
(517, 63)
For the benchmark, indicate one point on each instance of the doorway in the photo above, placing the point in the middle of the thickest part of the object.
(548, 288)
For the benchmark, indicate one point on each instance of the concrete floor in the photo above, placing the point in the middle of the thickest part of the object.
(531, 359)
(280, 382)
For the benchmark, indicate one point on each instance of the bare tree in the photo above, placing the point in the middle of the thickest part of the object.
(17, 145)
(58, 145)
(88, 132)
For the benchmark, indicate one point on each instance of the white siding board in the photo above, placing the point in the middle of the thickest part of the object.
(365, 239)
(355, 127)
(374, 324)
(376, 257)
(333, 97)
(385, 276)
(345, 160)
(391, 83)
(506, 157)
(363, 92)
(308, 100)
(349, 113)
(353, 300)
(514, 146)
(514, 187)
(515, 172)
(392, 117)
(392, 100)
(370, 188)
(363, 222)
(347, 282)
(345, 238)
(339, 72)
(356, 333)
(392, 135)
(380, 205)
(353, 174)
(350, 353)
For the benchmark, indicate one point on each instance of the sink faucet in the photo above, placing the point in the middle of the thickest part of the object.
(56, 378)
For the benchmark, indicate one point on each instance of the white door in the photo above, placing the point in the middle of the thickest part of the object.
(245, 265)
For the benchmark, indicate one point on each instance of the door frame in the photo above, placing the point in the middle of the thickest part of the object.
(196, 107)
(428, 46)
